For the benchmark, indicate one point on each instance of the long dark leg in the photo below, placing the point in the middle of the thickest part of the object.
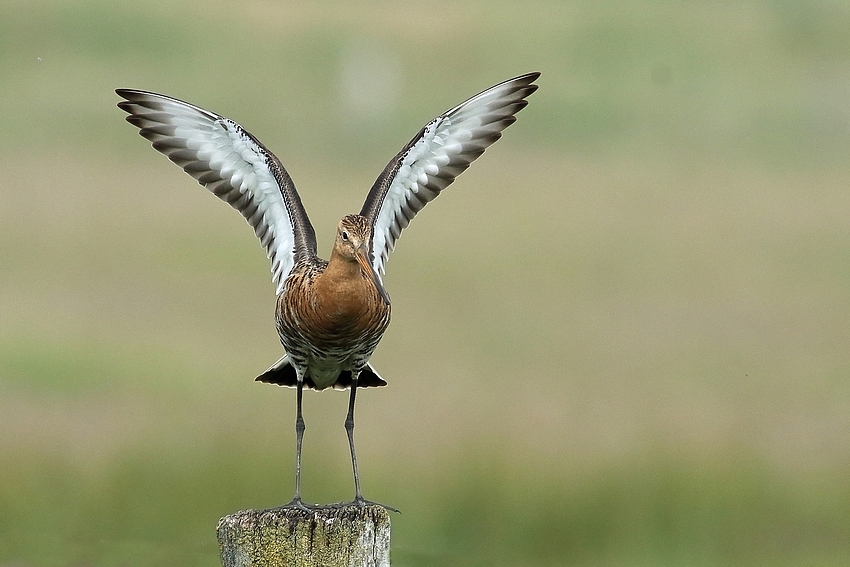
(349, 428)
(299, 437)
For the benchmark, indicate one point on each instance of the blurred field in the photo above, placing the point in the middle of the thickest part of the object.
(621, 338)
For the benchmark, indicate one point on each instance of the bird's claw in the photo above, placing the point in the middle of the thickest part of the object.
(298, 504)
(361, 502)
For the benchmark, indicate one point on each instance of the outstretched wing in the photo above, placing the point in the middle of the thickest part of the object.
(226, 159)
(441, 151)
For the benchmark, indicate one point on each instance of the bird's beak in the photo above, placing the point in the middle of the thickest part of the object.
(362, 256)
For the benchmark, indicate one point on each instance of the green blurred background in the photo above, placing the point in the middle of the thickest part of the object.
(621, 338)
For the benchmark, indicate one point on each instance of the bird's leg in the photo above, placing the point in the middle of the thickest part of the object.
(349, 428)
(299, 436)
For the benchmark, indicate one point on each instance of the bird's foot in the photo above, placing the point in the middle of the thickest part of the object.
(297, 504)
(358, 502)
(361, 502)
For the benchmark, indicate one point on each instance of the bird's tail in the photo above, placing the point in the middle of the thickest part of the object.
(283, 373)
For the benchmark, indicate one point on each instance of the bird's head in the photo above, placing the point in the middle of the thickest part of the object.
(353, 242)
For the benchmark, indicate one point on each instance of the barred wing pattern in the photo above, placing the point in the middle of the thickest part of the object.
(234, 165)
(441, 151)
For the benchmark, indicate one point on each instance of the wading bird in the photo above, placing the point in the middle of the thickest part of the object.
(330, 314)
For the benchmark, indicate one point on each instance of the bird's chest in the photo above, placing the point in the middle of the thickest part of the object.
(344, 310)
(332, 316)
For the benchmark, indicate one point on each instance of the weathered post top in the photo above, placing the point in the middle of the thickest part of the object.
(347, 536)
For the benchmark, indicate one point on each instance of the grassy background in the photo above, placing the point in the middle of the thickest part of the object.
(620, 339)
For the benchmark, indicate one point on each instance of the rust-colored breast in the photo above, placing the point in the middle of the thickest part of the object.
(346, 304)
(332, 313)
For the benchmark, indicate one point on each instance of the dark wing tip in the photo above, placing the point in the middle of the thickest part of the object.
(529, 77)
(526, 84)
(130, 94)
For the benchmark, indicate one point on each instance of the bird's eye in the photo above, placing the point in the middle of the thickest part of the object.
(344, 235)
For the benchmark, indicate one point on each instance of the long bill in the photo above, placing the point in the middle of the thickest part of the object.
(362, 256)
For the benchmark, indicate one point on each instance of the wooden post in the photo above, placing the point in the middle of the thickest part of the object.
(349, 536)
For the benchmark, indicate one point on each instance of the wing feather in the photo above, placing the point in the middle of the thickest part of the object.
(234, 166)
(440, 152)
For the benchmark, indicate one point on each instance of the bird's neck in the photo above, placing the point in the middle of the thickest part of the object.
(342, 269)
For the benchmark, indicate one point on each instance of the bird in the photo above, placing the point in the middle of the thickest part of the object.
(330, 314)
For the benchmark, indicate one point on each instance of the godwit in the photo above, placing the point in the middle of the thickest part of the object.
(330, 314)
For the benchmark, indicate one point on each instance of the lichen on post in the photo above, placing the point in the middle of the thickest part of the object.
(346, 536)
